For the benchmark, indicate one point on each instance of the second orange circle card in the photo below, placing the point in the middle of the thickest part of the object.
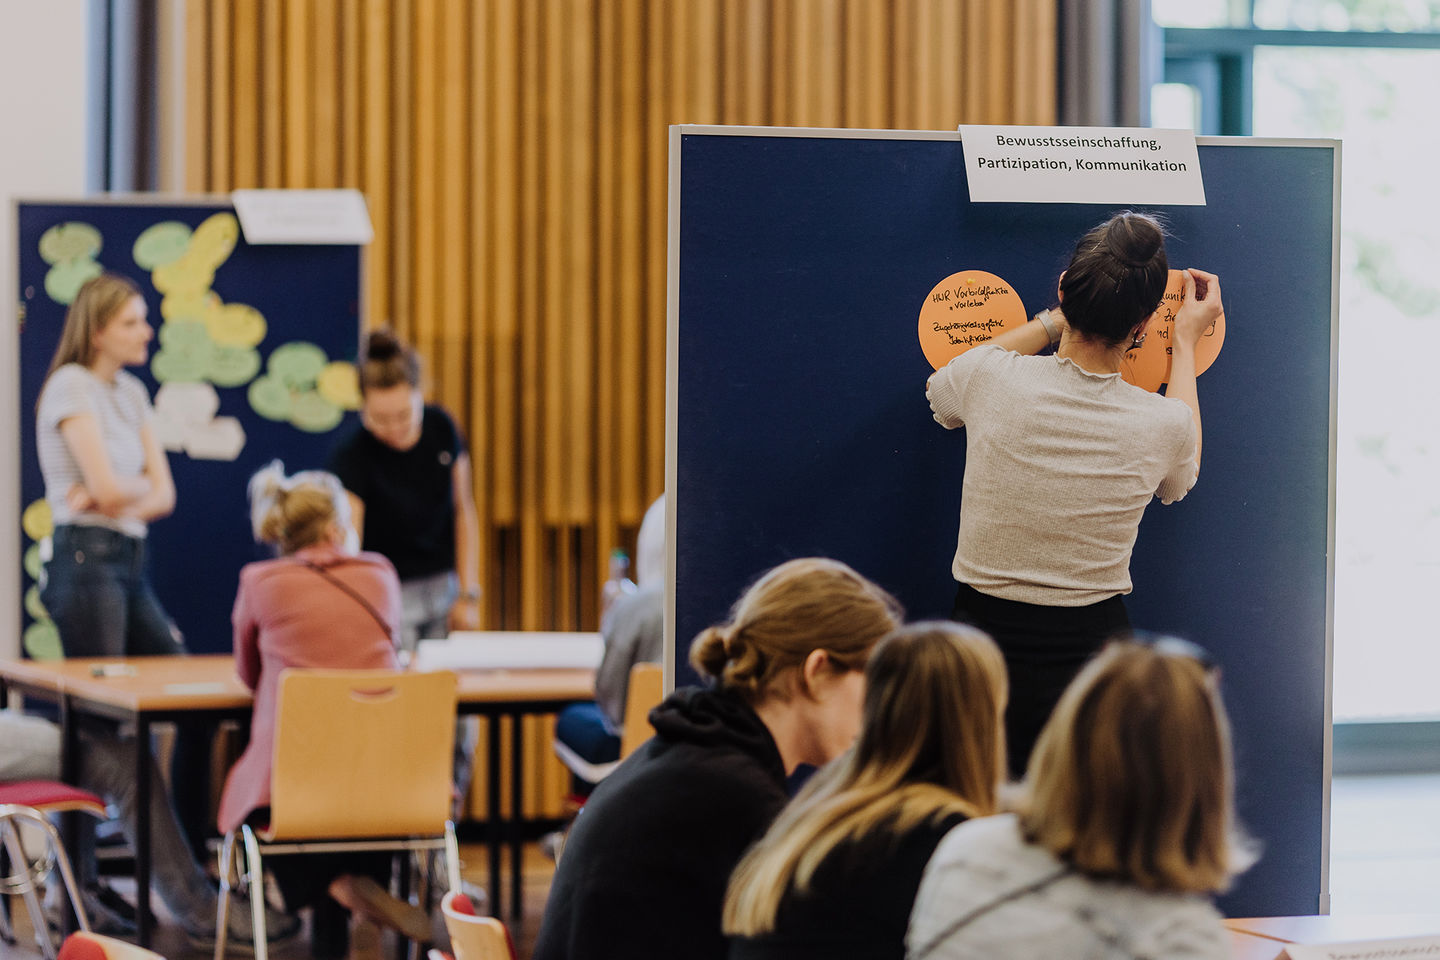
(1148, 365)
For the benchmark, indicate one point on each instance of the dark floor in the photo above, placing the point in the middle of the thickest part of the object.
(170, 943)
(1385, 859)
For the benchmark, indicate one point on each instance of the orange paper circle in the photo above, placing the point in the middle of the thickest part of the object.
(1148, 366)
(966, 309)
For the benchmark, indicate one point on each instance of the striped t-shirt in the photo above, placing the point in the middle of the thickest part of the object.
(120, 409)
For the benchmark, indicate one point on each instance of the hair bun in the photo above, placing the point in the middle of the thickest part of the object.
(382, 345)
(709, 652)
(1133, 240)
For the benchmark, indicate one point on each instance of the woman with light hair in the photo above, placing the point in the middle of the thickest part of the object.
(318, 604)
(106, 478)
(836, 874)
(647, 861)
(1127, 829)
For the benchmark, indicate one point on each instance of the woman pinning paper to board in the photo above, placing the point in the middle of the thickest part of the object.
(1063, 456)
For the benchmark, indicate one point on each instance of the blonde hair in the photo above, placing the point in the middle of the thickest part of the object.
(793, 609)
(1131, 778)
(932, 743)
(295, 512)
(94, 306)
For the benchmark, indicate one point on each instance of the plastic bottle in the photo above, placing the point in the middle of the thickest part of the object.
(619, 582)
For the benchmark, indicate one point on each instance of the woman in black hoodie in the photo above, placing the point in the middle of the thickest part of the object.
(646, 864)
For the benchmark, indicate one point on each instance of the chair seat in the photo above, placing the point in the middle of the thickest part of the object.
(52, 797)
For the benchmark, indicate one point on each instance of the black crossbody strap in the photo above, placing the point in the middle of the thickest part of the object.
(355, 595)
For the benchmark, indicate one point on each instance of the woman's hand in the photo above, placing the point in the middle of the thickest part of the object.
(465, 615)
(78, 499)
(1201, 308)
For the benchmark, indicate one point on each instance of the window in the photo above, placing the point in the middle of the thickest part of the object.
(1365, 72)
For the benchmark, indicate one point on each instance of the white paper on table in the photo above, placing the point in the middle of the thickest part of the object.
(1403, 948)
(510, 650)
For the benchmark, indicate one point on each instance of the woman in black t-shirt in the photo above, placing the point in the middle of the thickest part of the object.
(407, 473)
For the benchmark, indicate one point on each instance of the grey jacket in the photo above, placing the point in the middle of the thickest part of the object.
(987, 893)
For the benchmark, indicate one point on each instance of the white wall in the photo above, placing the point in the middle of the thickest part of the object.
(42, 114)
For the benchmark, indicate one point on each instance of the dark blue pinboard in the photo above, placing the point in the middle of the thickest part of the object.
(799, 423)
(305, 293)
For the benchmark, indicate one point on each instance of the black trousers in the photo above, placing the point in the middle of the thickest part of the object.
(1044, 647)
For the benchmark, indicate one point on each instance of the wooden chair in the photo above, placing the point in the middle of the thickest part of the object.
(362, 762)
(472, 937)
(27, 802)
(643, 692)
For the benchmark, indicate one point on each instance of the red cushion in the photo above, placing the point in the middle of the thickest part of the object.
(461, 904)
(79, 946)
(49, 796)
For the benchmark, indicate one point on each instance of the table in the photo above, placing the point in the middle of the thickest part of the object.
(149, 690)
(1262, 938)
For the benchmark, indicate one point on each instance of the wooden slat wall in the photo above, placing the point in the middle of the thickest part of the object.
(514, 157)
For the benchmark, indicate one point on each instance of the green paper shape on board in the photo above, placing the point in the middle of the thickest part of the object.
(33, 606)
(33, 564)
(64, 280)
(270, 398)
(297, 364)
(314, 414)
(161, 243)
(188, 335)
(180, 366)
(42, 641)
(72, 240)
(232, 366)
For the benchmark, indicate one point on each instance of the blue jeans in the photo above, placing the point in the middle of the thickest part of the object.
(97, 592)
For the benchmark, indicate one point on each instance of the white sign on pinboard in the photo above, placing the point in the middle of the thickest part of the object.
(1130, 165)
(1392, 949)
(303, 216)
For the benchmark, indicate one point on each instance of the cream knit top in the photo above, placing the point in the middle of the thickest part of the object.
(1060, 464)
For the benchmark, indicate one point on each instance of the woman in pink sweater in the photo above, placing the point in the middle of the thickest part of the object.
(319, 604)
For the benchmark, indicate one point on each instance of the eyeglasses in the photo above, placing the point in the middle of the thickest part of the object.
(1171, 646)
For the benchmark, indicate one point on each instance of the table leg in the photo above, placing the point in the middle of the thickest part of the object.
(143, 787)
(517, 814)
(492, 808)
(70, 822)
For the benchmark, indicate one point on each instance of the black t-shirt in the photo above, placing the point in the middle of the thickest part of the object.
(409, 495)
(858, 903)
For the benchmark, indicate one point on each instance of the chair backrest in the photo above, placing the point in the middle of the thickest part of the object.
(646, 690)
(362, 753)
(472, 937)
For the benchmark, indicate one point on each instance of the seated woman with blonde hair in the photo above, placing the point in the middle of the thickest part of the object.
(319, 604)
(836, 874)
(645, 867)
(1127, 828)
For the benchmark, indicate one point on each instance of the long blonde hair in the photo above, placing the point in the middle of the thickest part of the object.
(1131, 778)
(93, 307)
(295, 512)
(800, 606)
(932, 744)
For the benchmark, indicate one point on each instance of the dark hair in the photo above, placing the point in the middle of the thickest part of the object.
(386, 361)
(1116, 277)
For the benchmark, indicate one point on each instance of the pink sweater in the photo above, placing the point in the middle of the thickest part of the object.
(289, 615)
